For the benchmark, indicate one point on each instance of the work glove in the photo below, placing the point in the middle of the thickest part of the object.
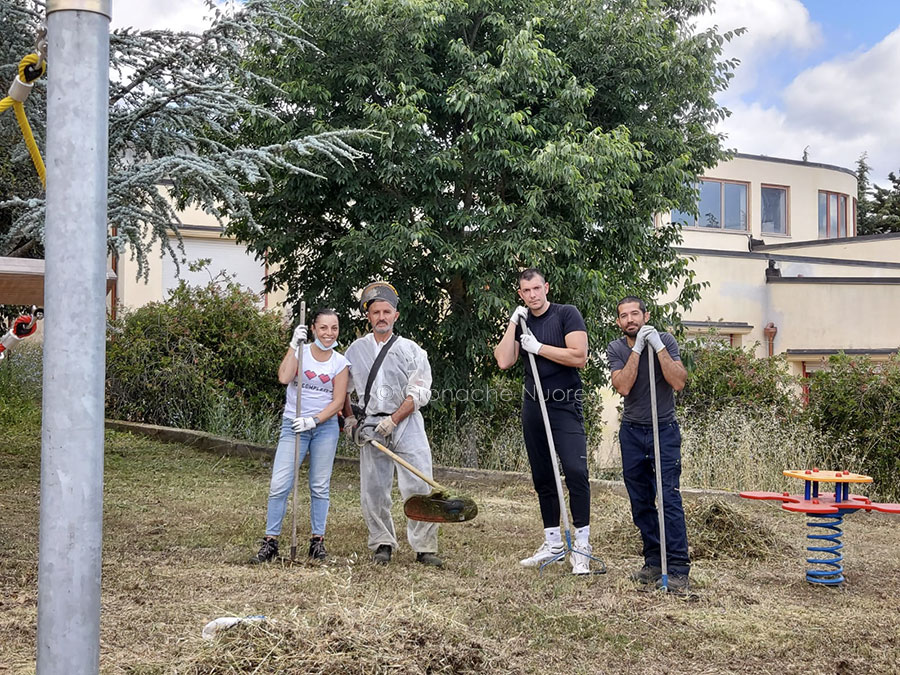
(299, 337)
(386, 426)
(640, 340)
(301, 424)
(655, 340)
(519, 313)
(350, 423)
(530, 343)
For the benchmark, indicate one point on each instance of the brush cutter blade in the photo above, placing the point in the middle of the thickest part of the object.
(440, 507)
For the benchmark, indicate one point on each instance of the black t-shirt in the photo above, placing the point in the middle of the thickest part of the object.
(637, 403)
(559, 382)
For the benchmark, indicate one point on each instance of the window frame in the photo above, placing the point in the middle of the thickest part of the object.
(838, 197)
(721, 228)
(787, 210)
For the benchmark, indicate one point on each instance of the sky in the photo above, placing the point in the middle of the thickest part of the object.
(815, 75)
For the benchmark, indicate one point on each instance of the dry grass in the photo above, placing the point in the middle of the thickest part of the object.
(181, 524)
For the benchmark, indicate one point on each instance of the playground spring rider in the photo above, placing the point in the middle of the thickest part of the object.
(826, 513)
(21, 328)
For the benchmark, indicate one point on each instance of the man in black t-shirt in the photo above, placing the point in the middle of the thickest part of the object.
(560, 347)
(631, 378)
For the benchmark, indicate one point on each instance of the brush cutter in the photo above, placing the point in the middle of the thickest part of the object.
(440, 506)
(538, 390)
(297, 442)
(660, 509)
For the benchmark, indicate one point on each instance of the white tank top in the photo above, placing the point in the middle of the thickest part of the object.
(317, 380)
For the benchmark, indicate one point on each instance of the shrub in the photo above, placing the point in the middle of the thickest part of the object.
(859, 396)
(721, 376)
(20, 392)
(205, 359)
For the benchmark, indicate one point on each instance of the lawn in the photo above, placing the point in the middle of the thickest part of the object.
(180, 525)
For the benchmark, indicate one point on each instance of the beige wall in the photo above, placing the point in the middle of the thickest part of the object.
(804, 181)
(197, 226)
(835, 316)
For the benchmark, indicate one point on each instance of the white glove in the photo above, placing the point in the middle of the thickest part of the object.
(519, 312)
(655, 340)
(349, 425)
(640, 340)
(299, 337)
(301, 424)
(386, 426)
(530, 343)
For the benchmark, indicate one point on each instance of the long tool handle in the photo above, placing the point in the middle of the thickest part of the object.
(297, 438)
(660, 507)
(406, 465)
(539, 393)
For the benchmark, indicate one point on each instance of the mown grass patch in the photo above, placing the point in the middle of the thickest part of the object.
(181, 524)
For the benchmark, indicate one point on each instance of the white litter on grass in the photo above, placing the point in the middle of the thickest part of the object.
(225, 622)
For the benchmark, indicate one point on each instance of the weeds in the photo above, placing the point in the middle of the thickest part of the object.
(738, 449)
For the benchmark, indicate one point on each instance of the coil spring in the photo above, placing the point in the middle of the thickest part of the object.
(830, 570)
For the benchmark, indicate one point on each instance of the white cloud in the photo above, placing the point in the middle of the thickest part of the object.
(176, 15)
(773, 27)
(839, 108)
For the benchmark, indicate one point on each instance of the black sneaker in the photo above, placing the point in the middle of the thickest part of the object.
(382, 555)
(430, 559)
(268, 550)
(648, 574)
(678, 584)
(317, 548)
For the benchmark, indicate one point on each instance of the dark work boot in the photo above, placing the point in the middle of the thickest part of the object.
(268, 550)
(382, 555)
(678, 584)
(430, 559)
(648, 574)
(317, 548)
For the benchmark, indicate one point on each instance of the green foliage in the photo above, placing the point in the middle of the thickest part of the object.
(176, 109)
(20, 391)
(205, 359)
(858, 396)
(721, 376)
(508, 134)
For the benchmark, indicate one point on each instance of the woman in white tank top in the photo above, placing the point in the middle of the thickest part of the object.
(323, 388)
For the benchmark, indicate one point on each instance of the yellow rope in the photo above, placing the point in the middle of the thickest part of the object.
(19, 109)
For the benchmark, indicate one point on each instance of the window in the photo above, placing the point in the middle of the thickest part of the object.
(773, 205)
(832, 215)
(722, 205)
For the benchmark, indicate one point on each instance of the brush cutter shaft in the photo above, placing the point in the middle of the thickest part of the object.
(406, 465)
(660, 507)
(539, 393)
(297, 441)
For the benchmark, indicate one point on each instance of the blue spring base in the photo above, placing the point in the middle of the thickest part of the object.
(830, 571)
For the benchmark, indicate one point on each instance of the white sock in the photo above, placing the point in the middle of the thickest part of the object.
(583, 534)
(552, 535)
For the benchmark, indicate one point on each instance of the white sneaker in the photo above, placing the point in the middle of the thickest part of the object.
(546, 552)
(581, 564)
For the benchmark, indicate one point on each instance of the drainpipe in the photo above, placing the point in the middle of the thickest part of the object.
(769, 331)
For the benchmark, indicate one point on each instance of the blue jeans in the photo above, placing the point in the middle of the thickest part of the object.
(320, 444)
(639, 472)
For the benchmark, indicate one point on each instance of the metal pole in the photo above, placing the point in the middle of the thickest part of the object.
(660, 503)
(68, 634)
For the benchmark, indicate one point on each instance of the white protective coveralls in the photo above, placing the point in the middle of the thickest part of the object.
(404, 372)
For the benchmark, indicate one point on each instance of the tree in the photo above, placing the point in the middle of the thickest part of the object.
(885, 215)
(864, 219)
(177, 106)
(512, 133)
